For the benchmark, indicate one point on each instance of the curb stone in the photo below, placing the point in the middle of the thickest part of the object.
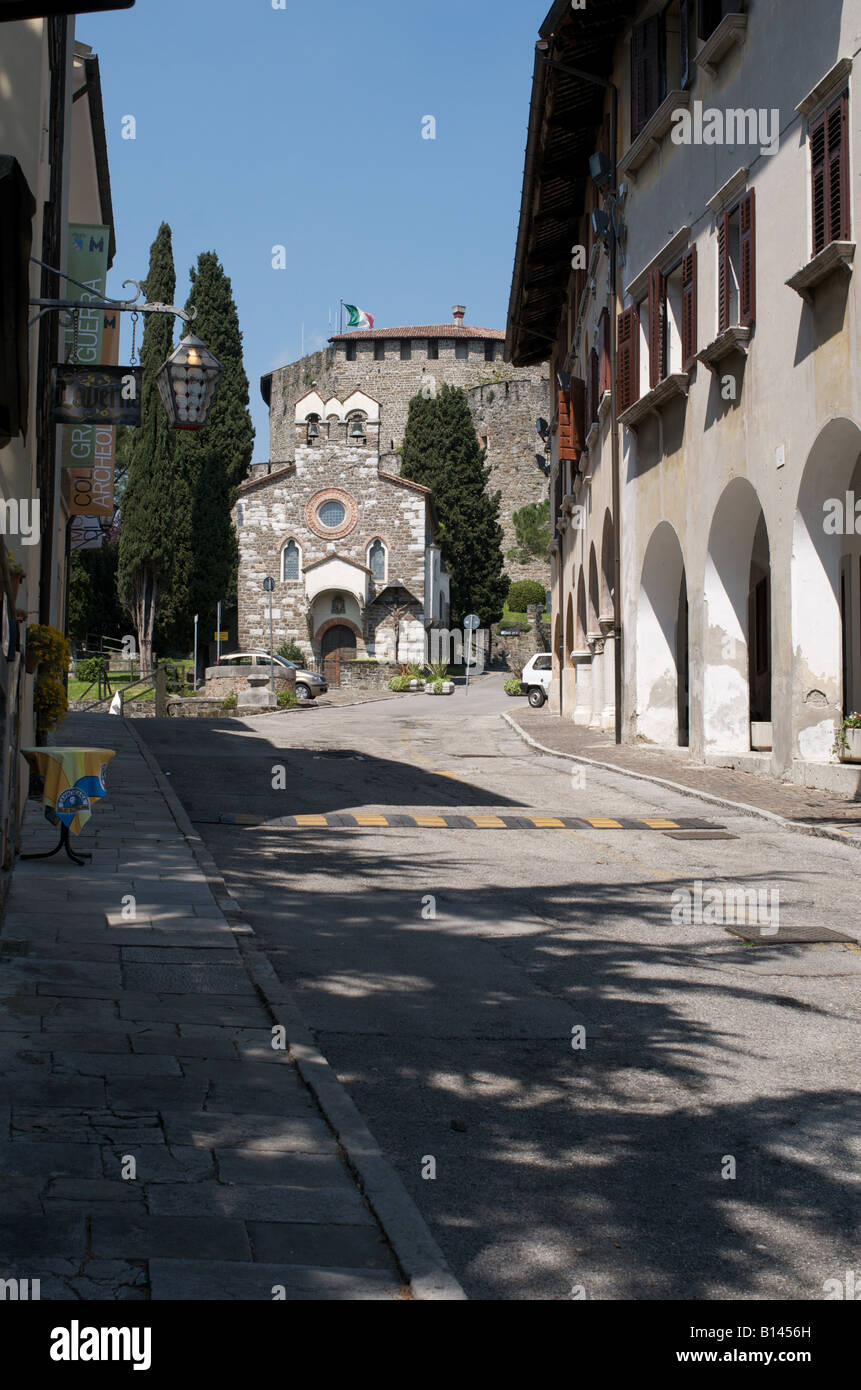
(427, 1271)
(817, 831)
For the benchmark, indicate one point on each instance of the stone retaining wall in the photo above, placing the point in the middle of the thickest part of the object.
(366, 675)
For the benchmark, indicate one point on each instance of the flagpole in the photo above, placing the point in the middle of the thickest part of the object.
(341, 320)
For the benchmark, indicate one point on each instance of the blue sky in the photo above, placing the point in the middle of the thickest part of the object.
(301, 127)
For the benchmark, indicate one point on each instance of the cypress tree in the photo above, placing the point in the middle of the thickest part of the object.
(148, 501)
(210, 466)
(441, 451)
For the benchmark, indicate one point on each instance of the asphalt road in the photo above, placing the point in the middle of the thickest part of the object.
(443, 971)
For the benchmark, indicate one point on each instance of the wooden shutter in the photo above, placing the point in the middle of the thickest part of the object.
(645, 72)
(657, 328)
(566, 426)
(604, 334)
(819, 175)
(689, 310)
(829, 168)
(747, 256)
(592, 396)
(684, 43)
(578, 414)
(723, 273)
(628, 358)
(837, 137)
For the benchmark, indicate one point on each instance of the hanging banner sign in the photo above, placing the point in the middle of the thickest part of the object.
(91, 490)
(87, 261)
(96, 396)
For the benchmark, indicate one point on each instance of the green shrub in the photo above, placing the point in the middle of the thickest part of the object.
(229, 701)
(93, 669)
(437, 670)
(399, 683)
(286, 698)
(526, 591)
(291, 651)
(512, 686)
(437, 687)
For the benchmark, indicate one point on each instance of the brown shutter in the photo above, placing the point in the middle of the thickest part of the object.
(592, 397)
(689, 310)
(578, 414)
(747, 256)
(566, 426)
(628, 358)
(645, 72)
(684, 43)
(604, 332)
(837, 135)
(723, 273)
(819, 175)
(657, 328)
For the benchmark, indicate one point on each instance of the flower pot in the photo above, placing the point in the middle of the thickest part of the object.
(852, 752)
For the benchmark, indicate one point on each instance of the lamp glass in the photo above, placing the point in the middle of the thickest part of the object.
(188, 382)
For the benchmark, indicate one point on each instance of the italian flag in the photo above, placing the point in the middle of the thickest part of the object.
(358, 318)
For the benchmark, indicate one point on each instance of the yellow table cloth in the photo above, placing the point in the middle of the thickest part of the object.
(74, 779)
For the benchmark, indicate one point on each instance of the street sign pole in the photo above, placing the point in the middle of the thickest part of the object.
(268, 586)
(196, 617)
(218, 634)
(470, 622)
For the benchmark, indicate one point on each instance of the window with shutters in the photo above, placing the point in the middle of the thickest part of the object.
(829, 165)
(643, 381)
(592, 394)
(628, 358)
(660, 60)
(604, 348)
(737, 265)
(689, 310)
(673, 319)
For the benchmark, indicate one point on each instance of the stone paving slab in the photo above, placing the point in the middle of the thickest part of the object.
(148, 1040)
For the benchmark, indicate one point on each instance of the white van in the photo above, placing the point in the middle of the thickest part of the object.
(535, 680)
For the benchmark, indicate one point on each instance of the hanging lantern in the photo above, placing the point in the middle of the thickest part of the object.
(188, 382)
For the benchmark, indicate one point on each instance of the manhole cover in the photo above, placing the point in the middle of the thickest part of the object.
(788, 935)
(699, 835)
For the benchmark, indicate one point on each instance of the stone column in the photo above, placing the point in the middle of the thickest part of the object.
(596, 646)
(608, 713)
(582, 660)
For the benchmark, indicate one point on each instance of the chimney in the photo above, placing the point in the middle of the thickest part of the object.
(458, 310)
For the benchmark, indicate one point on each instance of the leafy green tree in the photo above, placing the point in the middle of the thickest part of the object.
(525, 592)
(148, 508)
(442, 452)
(210, 466)
(532, 529)
(94, 606)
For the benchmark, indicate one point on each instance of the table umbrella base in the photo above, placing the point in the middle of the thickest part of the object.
(76, 856)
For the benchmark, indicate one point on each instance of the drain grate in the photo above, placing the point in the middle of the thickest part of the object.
(785, 936)
(699, 835)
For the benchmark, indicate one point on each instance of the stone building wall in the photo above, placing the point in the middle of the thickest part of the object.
(505, 401)
(274, 508)
(505, 414)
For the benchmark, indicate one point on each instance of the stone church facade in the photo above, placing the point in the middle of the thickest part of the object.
(395, 364)
(352, 548)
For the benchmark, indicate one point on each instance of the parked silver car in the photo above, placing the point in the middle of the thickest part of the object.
(309, 684)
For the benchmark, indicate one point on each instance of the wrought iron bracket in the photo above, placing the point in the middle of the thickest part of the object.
(122, 306)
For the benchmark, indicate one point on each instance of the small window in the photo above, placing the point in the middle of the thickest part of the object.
(338, 604)
(711, 12)
(433, 348)
(406, 350)
(351, 352)
(379, 350)
(290, 561)
(489, 349)
(461, 349)
(673, 321)
(377, 560)
(737, 265)
(331, 513)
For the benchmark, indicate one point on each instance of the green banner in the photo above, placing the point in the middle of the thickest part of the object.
(87, 261)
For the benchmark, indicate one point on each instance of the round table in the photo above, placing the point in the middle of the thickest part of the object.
(73, 778)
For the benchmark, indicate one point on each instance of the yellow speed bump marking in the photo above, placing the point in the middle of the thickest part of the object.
(547, 822)
(310, 820)
(488, 822)
(369, 819)
(657, 824)
(599, 823)
(429, 820)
